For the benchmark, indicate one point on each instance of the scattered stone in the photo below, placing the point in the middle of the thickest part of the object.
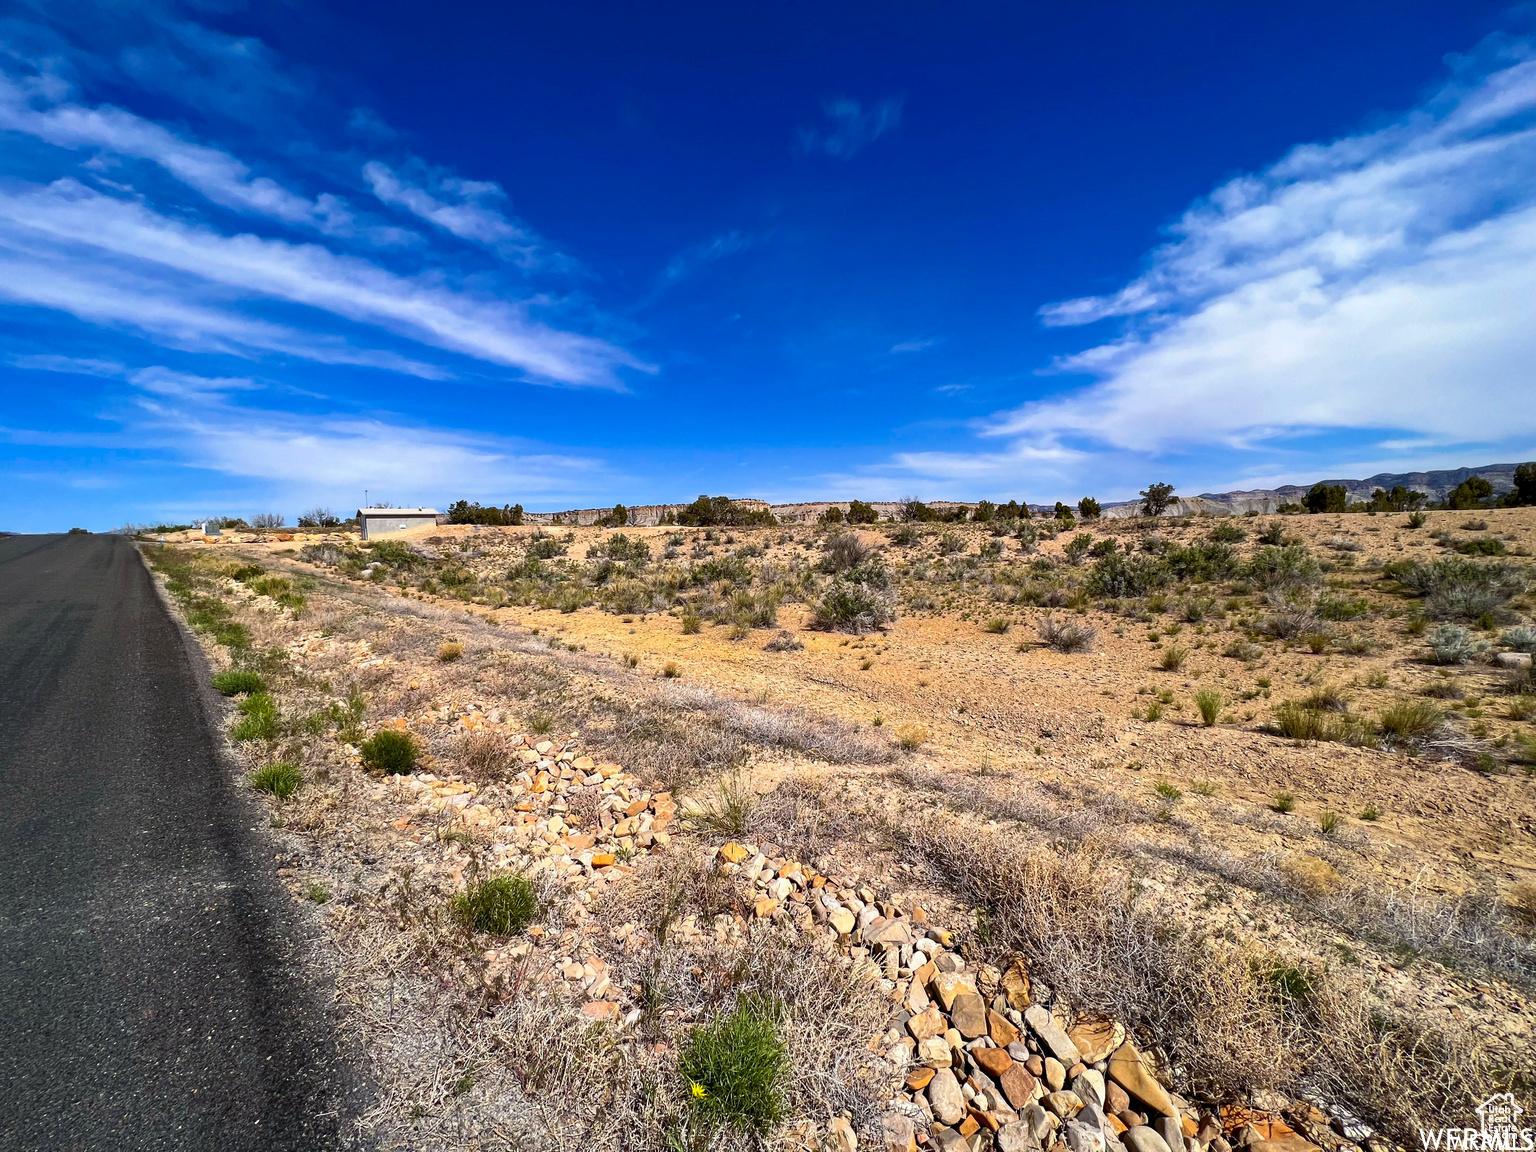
(1116, 1101)
(969, 1013)
(1018, 1086)
(918, 1078)
(1051, 1035)
(1130, 1071)
(945, 986)
(935, 1052)
(898, 1133)
(1064, 1104)
(1144, 1138)
(945, 1099)
(993, 1061)
(1055, 1074)
(840, 1136)
(1002, 1032)
(925, 1024)
(1096, 1039)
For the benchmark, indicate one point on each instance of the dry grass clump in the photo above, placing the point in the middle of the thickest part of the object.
(1520, 899)
(487, 755)
(1067, 635)
(449, 651)
(911, 737)
(1310, 875)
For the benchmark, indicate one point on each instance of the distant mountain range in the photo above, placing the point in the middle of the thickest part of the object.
(1435, 484)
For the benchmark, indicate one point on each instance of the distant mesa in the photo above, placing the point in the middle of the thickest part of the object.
(1436, 485)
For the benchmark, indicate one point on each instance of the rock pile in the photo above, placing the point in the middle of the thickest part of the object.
(986, 1061)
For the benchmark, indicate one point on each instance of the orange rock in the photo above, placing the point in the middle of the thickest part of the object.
(918, 1078)
(600, 1010)
(602, 859)
(1002, 1032)
(732, 853)
(579, 843)
(969, 1126)
(765, 907)
(994, 1061)
(637, 807)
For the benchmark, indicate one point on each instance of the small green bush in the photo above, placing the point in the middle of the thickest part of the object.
(501, 905)
(389, 751)
(1284, 802)
(238, 683)
(258, 719)
(1209, 701)
(281, 779)
(848, 606)
(1173, 658)
(736, 1066)
(1410, 719)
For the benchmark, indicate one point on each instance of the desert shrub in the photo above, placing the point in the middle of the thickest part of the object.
(1410, 719)
(281, 779)
(1288, 565)
(723, 512)
(542, 546)
(237, 683)
(1227, 532)
(905, 534)
(1210, 702)
(486, 754)
(1066, 635)
(726, 811)
(736, 1065)
(1202, 561)
(1417, 519)
(1342, 543)
(1333, 606)
(849, 606)
(843, 551)
(259, 719)
(1173, 658)
(1453, 644)
(911, 737)
(499, 905)
(1291, 613)
(951, 542)
(1459, 589)
(1521, 639)
(1272, 534)
(1076, 549)
(449, 651)
(1122, 576)
(1482, 546)
(390, 751)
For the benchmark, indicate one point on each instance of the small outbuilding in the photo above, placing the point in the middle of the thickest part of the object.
(377, 521)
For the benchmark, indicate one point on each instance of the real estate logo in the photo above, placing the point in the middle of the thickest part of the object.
(1499, 1130)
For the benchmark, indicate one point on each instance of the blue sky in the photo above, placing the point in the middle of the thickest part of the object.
(266, 257)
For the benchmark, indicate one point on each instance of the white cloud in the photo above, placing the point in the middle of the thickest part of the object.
(69, 247)
(1383, 281)
(852, 126)
(913, 345)
(211, 171)
(462, 208)
(70, 365)
(329, 455)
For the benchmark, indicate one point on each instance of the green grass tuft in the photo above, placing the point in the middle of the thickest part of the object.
(735, 1067)
(280, 778)
(501, 905)
(258, 719)
(238, 683)
(389, 751)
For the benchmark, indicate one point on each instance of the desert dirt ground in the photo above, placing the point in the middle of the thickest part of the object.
(1404, 862)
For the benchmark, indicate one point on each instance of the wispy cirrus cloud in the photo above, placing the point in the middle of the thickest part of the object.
(850, 127)
(1380, 281)
(103, 257)
(463, 208)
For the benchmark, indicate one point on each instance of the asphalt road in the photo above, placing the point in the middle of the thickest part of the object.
(152, 993)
